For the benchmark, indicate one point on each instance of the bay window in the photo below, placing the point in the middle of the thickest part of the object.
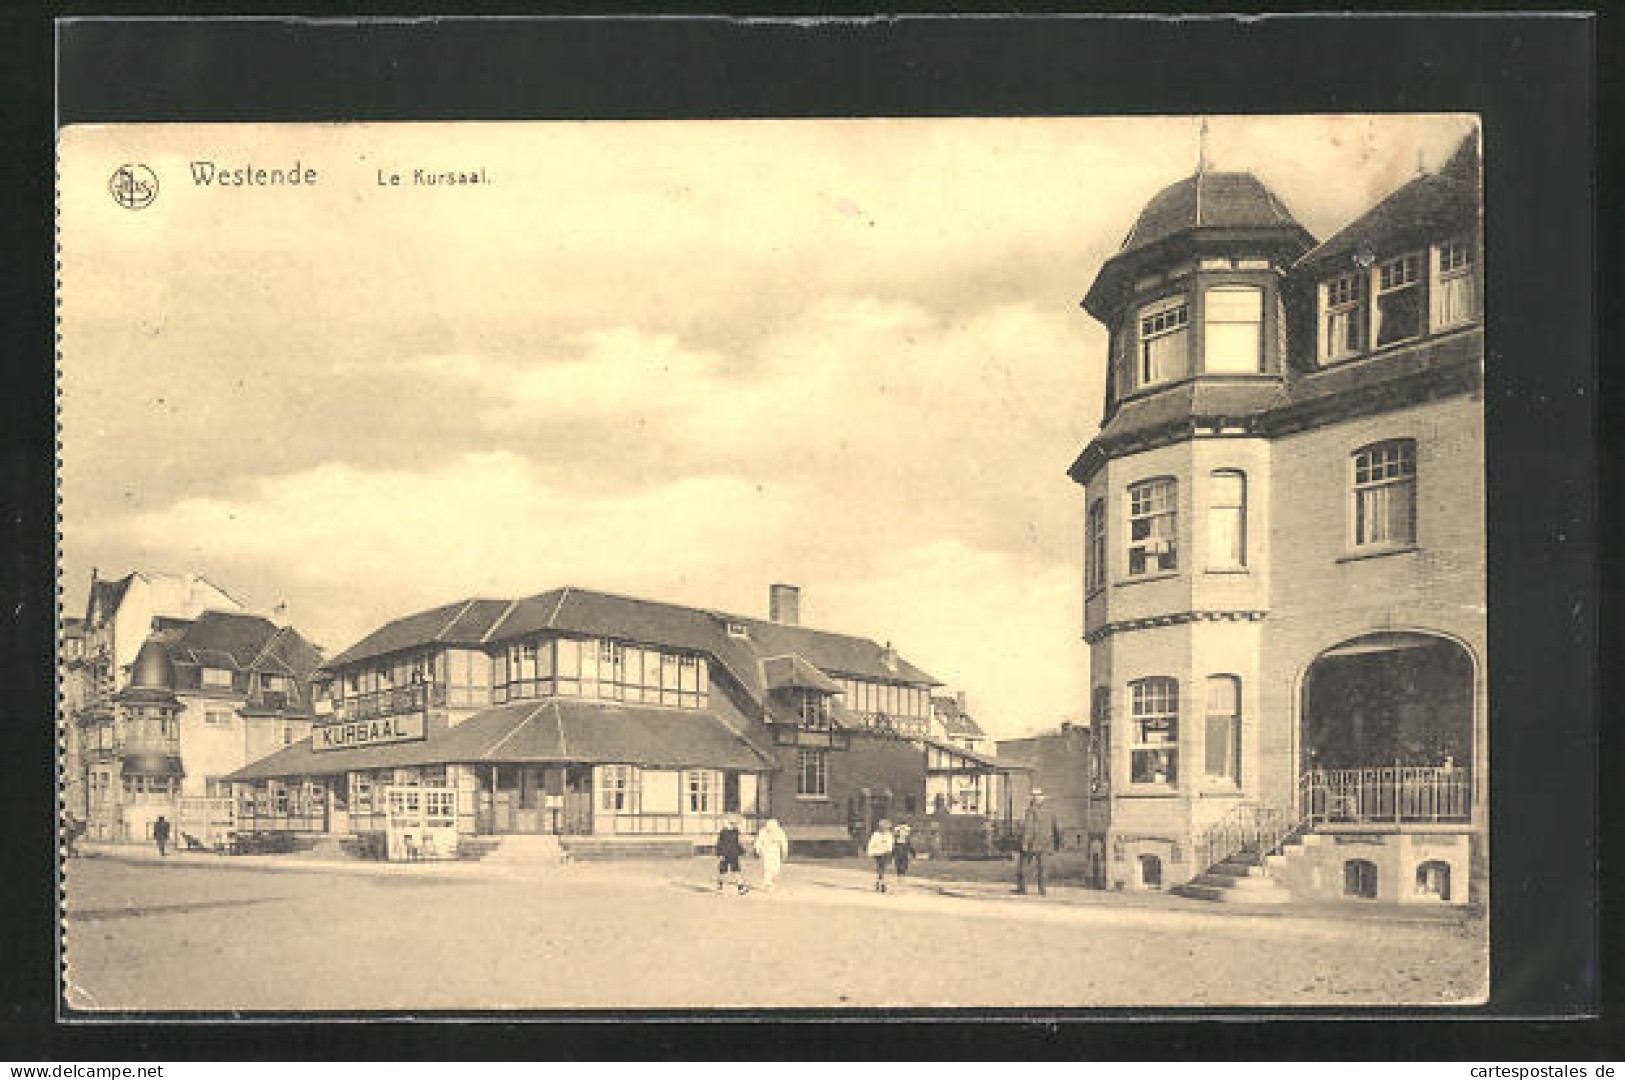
(1096, 542)
(1223, 734)
(1234, 330)
(1154, 731)
(1164, 341)
(1384, 495)
(1153, 521)
(1227, 519)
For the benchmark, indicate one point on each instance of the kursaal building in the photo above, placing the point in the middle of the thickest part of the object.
(1285, 547)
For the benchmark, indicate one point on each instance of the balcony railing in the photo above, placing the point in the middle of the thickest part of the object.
(1391, 794)
(414, 697)
(902, 727)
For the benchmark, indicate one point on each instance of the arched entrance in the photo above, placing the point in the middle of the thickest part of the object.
(1387, 730)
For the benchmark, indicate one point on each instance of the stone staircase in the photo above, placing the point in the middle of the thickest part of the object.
(527, 848)
(1239, 879)
(1248, 845)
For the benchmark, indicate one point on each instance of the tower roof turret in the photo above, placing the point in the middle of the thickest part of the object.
(1231, 212)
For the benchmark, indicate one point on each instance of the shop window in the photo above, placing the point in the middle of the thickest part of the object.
(1343, 316)
(1223, 734)
(1154, 727)
(1360, 879)
(1399, 299)
(1384, 494)
(1151, 871)
(1433, 880)
(812, 774)
(1453, 288)
(1227, 520)
(1164, 343)
(1096, 533)
(1153, 522)
(1234, 321)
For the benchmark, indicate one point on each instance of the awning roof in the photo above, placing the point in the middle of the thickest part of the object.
(540, 732)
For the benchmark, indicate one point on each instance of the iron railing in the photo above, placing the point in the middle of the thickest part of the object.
(1400, 793)
(413, 697)
(1251, 829)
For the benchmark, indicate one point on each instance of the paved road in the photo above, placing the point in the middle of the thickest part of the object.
(656, 935)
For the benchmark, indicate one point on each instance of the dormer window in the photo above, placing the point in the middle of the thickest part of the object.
(216, 678)
(1234, 316)
(1399, 299)
(737, 630)
(1164, 346)
(1453, 291)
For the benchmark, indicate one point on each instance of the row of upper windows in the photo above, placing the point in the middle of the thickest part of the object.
(1395, 300)
(600, 668)
(1382, 514)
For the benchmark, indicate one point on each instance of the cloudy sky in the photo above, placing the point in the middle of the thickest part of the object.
(677, 360)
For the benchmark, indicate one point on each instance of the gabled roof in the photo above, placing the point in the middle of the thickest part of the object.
(223, 639)
(1420, 210)
(590, 613)
(465, 622)
(955, 721)
(107, 595)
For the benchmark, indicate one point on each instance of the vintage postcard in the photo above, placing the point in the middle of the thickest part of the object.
(753, 564)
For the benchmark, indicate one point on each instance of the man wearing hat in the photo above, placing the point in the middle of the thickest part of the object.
(1040, 836)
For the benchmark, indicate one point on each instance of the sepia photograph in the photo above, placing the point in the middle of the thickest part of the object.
(741, 564)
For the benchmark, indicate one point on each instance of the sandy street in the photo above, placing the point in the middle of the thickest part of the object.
(656, 935)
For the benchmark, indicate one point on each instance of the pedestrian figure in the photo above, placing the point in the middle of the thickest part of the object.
(902, 849)
(880, 849)
(773, 847)
(1040, 836)
(729, 849)
(160, 833)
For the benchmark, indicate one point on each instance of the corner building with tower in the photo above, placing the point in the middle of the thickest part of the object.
(1285, 548)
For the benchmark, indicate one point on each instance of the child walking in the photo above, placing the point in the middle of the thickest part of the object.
(729, 849)
(880, 850)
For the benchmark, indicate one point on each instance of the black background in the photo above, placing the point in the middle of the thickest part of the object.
(1532, 80)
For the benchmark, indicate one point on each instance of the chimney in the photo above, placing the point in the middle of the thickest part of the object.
(960, 699)
(279, 614)
(888, 656)
(784, 604)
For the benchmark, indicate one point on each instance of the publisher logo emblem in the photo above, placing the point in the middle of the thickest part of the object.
(133, 186)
